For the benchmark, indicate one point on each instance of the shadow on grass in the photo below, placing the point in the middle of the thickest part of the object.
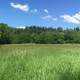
(67, 75)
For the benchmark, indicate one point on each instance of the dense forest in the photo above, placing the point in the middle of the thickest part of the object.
(38, 34)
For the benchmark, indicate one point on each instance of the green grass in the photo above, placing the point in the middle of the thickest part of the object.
(40, 62)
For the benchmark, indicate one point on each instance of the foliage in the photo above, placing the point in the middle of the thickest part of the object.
(4, 34)
(38, 34)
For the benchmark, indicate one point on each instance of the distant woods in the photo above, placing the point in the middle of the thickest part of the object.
(38, 34)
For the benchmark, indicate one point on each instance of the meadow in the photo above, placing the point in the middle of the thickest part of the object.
(40, 62)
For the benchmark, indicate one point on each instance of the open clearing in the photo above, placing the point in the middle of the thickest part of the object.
(40, 62)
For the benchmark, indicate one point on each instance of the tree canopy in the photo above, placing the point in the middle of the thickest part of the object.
(38, 34)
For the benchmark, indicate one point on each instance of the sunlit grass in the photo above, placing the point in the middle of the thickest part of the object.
(40, 62)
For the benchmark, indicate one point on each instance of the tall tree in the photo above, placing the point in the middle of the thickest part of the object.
(4, 33)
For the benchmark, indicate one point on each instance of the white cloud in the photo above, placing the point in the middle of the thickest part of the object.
(21, 27)
(49, 17)
(46, 11)
(34, 11)
(77, 16)
(20, 6)
(72, 19)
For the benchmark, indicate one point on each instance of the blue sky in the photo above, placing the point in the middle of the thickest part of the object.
(52, 13)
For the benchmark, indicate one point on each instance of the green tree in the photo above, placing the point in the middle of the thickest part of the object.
(4, 33)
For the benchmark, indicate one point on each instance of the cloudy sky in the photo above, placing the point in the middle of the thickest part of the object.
(65, 13)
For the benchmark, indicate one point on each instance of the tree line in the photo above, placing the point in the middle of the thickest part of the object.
(38, 34)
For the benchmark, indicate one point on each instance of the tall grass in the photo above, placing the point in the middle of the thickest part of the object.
(40, 62)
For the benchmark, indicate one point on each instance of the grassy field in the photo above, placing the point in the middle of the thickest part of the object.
(40, 62)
